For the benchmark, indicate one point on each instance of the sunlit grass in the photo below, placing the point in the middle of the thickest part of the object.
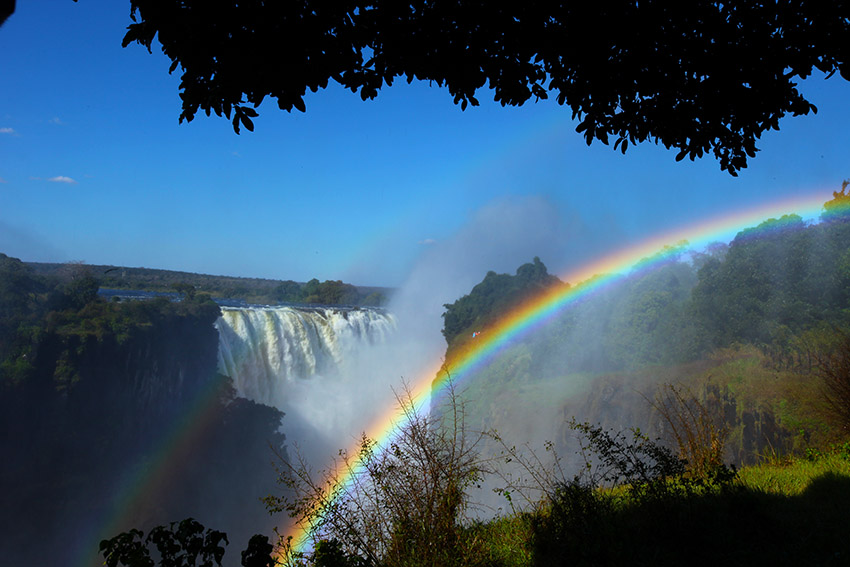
(506, 541)
(793, 477)
(778, 513)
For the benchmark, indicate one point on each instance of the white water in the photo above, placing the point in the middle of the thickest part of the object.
(265, 349)
(314, 364)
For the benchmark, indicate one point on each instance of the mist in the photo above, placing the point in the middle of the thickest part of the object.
(330, 411)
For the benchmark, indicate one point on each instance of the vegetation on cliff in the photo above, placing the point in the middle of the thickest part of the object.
(493, 296)
(755, 330)
(91, 393)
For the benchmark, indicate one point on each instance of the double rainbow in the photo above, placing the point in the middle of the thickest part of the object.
(533, 312)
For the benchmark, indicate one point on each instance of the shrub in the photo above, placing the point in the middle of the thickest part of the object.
(404, 505)
(699, 435)
(833, 366)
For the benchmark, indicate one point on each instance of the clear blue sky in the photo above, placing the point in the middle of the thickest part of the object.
(95, 167)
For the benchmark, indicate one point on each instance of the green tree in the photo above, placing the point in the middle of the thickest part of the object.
(838, 208)
(778, 275)
(187, 290)
(287, 291)
(493, 295)
(701, 76)
(375, 299)
(81, 287)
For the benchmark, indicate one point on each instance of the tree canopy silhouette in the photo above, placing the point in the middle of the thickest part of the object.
(698, 76)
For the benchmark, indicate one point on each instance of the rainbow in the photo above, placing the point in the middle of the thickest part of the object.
(533, 312)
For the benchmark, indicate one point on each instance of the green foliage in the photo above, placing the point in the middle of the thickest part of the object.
(287, 292)
(503, 541)
(779, 277)
(493, 296)
(187, 290)
(739, 525)
(613, 459)
(838, 208)
(375, 299)
(86, 381)
(583, 516)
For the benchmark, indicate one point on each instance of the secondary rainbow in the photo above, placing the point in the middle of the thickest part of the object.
(530, 314)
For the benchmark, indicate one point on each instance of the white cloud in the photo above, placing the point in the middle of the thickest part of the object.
(7, 131)
(62, 179)
(56, 120)
(428, 241)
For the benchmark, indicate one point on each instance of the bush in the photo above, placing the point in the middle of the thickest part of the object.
(833, 366)
(405, 504)
(629, 487)
(699, 436)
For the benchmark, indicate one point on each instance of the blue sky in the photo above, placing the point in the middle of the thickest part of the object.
(95, 168)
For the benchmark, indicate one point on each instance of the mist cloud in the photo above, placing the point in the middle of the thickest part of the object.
(7, 131)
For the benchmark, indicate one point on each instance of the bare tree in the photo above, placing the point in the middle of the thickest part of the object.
(402, 503)
(833, 366)
(700, 438)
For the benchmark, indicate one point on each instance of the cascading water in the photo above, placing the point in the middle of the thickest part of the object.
(265, 349)
(314, 364)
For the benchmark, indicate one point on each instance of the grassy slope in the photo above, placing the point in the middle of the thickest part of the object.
(791, 513)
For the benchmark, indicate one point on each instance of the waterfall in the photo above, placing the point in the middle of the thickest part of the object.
(266, 350)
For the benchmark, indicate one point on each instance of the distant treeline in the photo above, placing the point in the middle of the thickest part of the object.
(251, 290)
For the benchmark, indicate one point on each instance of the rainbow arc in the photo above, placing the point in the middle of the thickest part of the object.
(586, 280)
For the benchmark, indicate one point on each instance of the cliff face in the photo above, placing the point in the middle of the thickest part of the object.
(156, 371)
(109, 387)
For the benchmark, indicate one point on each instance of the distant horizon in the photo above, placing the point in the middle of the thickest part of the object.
(82, 263)
(803, 205)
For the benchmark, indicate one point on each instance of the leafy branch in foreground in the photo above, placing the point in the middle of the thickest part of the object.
(179, 543)
(702, 78)
(404, 504)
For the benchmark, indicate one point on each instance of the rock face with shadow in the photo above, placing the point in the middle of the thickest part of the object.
(123, 421)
